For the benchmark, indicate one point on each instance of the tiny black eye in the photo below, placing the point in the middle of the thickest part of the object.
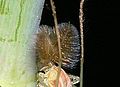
(56, 64)
(41, 72)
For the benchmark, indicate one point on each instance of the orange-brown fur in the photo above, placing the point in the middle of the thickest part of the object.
(47, 49)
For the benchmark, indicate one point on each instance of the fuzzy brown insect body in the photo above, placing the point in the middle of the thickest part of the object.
(47, 49)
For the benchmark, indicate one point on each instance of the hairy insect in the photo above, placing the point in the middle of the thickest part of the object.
(57, 48)
(47, 49)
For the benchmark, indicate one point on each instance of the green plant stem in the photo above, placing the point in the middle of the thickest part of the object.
(18, 23)
(82, 42)
(58, 40)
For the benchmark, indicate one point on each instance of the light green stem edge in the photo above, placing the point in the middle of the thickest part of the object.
(19, 20)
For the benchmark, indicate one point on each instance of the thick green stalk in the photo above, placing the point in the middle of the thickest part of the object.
(19, 21)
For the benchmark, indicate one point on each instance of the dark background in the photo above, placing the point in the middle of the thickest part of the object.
(100, 27)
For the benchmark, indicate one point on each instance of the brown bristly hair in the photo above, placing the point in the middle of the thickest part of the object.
(51, 44)
(47, 48)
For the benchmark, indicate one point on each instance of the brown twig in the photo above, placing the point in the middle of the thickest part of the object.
(58, 39)
(81, 14)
